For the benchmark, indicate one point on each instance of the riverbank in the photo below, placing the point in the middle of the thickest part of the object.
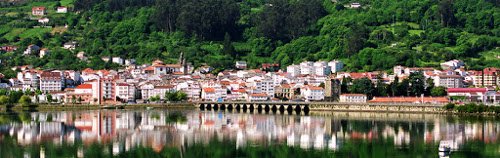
(68, 107)
(309, 107)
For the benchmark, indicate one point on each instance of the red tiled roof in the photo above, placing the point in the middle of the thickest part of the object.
(38, 8)
(315, 88)
(259, 95)
(409, 99)
(50, 74)
(122, 84)
(352, 94)
(165, 87)
(467, 90)
(84, 86)
(209, 90)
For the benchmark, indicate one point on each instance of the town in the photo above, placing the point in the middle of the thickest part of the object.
(318, 81)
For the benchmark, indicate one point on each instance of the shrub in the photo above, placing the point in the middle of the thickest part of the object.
(449, 106)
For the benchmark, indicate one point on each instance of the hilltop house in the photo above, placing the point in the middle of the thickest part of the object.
(38, 11)
(62, 9)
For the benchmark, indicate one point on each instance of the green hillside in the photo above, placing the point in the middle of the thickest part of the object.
(375, 36)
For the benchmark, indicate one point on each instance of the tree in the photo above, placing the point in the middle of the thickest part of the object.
(175, 96)
(363, 86)
(25, 100)
(403, 87)
(73, 99)
(79, 100)
(49, 98)
(394, 86)
(429, 86)
(344, 86)
(4, 100)
(417, 83)
(228, 48)
(380, 87)
(438, 91)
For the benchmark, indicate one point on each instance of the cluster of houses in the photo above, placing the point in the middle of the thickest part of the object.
(307, 81)
(39, 12)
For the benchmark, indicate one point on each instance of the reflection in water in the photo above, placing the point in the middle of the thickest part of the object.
(334, 132)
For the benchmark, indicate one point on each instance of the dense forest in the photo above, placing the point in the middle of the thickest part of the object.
(375, 36)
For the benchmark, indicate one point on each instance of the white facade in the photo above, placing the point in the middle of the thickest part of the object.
(312, 93)
(293, 70)
(448, 81)
(51, 81)
(336, 65)
(353, 98)
(125, 91)
(62, 9)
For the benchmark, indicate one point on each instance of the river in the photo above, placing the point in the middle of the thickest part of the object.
(195, 133)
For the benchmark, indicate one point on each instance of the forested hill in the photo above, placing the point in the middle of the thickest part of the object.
(374, 36)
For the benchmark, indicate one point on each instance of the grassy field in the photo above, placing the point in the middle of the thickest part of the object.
(68, 3)
(34, 32)
(14, 32)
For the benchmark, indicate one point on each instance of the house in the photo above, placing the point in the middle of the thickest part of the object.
(313, 93)
(208, 94)
(82, 94)
(8, 48)
(353, 98)
(452, 64)
(268, 67)
(161, 90)
(118, 60)
(125, 91)
(43, 20)
(44, 52)
(81, 56)
(62, 9)
(242, 65)
(433, 100)
(284, 91)
(355, 5)
(448, 81)
(38, 11)
(32, 49)
(256, 97)
(51, 81)
(483, 95)
(70, 45)
(488, 77)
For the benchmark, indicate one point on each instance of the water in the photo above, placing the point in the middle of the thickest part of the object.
(194, 133)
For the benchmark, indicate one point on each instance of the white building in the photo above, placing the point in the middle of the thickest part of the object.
(70, 45)
(448, 81)
(125, 91)
(321, 69)
(313, 93)
(32, 49)
(118, 60)
(336, 65)
(43, 20)
(241, 65)
(452, 64)
(44, 52)
(306, 68)
(293, 70)
(353, 98)
(257, 97)
(51, 81)
(62, 9)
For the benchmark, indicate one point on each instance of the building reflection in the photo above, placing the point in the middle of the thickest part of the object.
(125, 130)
